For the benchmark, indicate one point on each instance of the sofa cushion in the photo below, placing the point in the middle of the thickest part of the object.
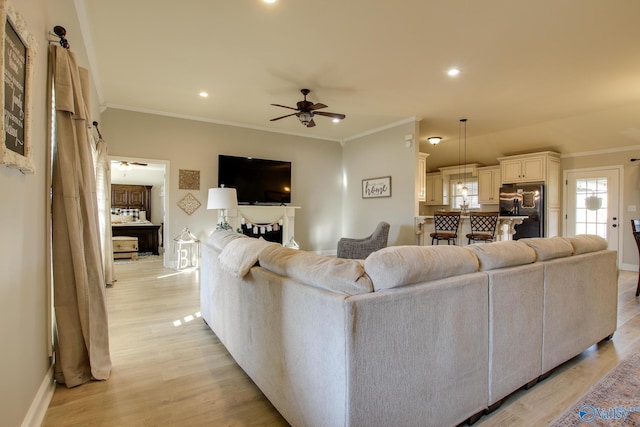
(549, 247)
(584, 243)
(396, 266)
(345, 276)
(502, 254)
(220, 238)
(239, 255)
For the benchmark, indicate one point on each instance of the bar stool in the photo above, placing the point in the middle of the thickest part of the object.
(635, 227)
(483, 226)
(446, 227)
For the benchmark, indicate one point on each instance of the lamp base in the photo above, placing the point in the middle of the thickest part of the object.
(223, 226)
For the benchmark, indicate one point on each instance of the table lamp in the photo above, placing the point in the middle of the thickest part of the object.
(222, 199)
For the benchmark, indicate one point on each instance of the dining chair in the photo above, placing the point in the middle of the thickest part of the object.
(446, 227)
(635, 227)
(483, 226)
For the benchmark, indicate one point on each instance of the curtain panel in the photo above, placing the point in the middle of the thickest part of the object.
(82, 340)
(103, 189)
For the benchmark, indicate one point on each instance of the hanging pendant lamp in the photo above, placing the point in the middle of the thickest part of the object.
(465, 190)
(459, 183)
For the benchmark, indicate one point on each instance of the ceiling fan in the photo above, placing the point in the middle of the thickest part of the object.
(306, 110)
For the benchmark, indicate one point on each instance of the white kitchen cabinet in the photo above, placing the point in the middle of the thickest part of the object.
(437, 189)
(543, 167)
(421, 177)
(523, 169)
(489, 181)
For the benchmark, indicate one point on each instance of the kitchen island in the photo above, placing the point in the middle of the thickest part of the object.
(504, 230)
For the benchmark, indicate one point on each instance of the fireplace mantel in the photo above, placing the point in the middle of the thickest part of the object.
(257, 214)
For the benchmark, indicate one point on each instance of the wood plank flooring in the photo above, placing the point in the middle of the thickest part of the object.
(169, 370)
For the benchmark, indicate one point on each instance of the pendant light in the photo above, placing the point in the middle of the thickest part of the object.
(465, 190)
(459, 183)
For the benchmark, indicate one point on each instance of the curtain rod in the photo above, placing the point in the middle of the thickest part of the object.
(97, 129)
(60, 32)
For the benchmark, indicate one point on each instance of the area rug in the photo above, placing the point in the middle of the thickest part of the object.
(613, 401)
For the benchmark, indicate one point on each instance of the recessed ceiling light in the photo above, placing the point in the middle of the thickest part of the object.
(204, 94)
(453, 72)
(336, 120)
(269, 1)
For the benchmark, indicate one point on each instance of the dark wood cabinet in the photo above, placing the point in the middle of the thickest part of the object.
(132, 197)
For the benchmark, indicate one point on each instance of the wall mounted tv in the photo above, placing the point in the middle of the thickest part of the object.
(257, 181)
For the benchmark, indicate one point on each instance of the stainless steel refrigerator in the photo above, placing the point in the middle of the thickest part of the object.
(524, 199)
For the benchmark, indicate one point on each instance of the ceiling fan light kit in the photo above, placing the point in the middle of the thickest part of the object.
(306, 110)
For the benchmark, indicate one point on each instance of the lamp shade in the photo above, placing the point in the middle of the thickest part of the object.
(222, 198)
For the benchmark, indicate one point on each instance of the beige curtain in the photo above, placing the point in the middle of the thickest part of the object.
(103, 190)
(82, 344)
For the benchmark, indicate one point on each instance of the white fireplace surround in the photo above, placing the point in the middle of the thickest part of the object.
(257, 214)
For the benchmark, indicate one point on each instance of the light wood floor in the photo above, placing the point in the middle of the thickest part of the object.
(170, 374)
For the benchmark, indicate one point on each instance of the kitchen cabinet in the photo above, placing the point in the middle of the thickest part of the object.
(489, 181)
(421, 177)
(437, 189)
(543, 167)
(523, 169)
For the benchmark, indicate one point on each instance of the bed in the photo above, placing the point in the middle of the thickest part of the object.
(130, 214)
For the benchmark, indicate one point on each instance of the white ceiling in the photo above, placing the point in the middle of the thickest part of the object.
(380, 63)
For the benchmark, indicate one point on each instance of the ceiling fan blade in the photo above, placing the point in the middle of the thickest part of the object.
(284, 106)
(311, 124)
(278, 118)
(334, 115)
(317, 106)
(139, 164)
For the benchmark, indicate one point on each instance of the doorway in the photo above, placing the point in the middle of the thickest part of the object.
(592, 200)
(154, 172)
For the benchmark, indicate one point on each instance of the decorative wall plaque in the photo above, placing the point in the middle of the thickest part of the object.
(189, 204)
(189, 180)
(18, 50)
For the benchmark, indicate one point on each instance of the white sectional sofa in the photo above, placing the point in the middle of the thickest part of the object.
(411, 336)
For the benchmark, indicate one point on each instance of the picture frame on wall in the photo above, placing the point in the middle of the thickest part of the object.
(18, 51)
(376, 187)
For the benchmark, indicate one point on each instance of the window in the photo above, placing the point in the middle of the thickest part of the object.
(472, 194)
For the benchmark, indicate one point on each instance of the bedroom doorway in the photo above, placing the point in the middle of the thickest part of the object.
(149, 172)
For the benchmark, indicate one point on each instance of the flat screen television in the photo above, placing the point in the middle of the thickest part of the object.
(257, 181)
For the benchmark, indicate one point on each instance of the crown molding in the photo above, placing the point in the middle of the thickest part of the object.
(381, 128)
(599, 152)
(218, 122)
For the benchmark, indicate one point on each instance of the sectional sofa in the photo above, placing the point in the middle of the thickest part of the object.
(410, 336)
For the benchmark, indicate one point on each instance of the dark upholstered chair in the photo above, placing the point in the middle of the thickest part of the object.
(635, 227)
(446, 227)
(483, 226)
(361, 248)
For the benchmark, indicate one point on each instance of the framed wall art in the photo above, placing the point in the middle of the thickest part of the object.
(189, 180)
(376, 187)
(16, 58)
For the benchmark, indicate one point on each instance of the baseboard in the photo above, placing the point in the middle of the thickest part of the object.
(38, 408)
(629, 267)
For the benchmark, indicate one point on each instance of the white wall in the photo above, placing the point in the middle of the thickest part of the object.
(23, 265)
(384, 153)
(187, 144)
